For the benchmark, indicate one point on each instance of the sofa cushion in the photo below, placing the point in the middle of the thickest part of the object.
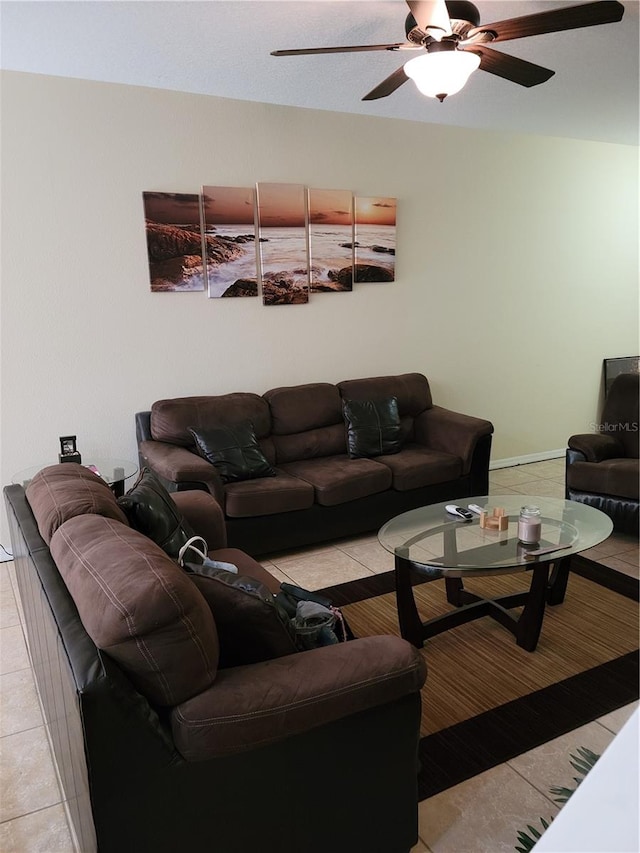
(251, 626)
(293, 694)
(233, 450)
(267, 496)
(303, 407)
(171, 419)
(60, 492)
(618, 477)
(373, 427)
(310, 444)
(620, 415)
(410, 389)
(138, 606)
(151, 511)
(416, 466)
(338, 479)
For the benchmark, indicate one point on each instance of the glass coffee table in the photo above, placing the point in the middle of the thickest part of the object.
(429, 543)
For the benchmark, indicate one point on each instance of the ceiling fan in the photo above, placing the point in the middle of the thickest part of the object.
(456, 44)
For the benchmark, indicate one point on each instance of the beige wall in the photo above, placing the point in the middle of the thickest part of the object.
(517, 265)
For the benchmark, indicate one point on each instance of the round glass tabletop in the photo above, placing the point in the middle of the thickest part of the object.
(431, 537)
(111, 470)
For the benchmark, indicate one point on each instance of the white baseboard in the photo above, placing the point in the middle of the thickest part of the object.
(529, 457)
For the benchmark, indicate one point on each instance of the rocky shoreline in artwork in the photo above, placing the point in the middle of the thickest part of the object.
(282, 288)
(175, 264)
(381, 249)
(175, 255)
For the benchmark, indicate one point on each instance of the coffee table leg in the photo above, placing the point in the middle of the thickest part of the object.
(408, 617)
(558, 581)
(530, 621)
(455, 591)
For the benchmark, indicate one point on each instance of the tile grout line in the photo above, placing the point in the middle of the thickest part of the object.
(33, 811)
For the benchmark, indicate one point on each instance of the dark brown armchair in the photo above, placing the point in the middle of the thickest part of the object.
(602, 467)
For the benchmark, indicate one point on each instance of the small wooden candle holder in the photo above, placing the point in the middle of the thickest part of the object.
(498, 520)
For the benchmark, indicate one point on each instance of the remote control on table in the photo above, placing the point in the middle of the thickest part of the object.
(460, 513)
(475, 508)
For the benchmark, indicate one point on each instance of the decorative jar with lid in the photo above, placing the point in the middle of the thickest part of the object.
(530, 525)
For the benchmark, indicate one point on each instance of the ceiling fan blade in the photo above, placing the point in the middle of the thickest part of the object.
(510, 67)
(431, 15)
(388, 85)
(347, 49)
(554, 21)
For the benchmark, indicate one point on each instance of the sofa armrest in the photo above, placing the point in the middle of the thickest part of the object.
(596, 447)
(451, 432)
(250, 706)
(204, 514)
(179, 465)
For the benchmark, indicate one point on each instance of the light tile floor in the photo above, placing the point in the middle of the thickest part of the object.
(481, 815)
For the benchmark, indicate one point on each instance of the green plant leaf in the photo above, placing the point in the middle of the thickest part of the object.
(581, 766)
(584, 761)
(588, 755)
(562, 792)
(533, 831)
(527, 843)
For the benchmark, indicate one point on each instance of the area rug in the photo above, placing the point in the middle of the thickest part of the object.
(486, 700)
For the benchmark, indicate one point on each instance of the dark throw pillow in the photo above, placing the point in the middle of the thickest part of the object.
(252, 626)
(234, 451)
(373, 427)
(150, 510)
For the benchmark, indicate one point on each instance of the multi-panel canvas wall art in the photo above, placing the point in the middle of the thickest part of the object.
(309, 240)
(174, 243)
(282, 226)
(230, 241)
(330, 240)
(375, 239)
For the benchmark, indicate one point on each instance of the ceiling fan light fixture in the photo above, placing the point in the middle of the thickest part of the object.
(443, 72)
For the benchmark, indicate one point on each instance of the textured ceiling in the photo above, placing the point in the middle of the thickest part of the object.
(222, 48)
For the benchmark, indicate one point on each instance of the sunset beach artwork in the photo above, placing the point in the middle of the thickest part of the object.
(375, 239)
(282, 222)
(174, 244)
(230, 241)
(330, 240)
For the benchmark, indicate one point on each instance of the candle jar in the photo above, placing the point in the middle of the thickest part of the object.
(530, 525)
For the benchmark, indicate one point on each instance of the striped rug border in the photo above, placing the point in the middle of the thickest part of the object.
(453, 755)
(458, 753)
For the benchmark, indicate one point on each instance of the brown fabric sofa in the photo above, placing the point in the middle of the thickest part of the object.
(602, 468)
(160, 749)
(319, 493)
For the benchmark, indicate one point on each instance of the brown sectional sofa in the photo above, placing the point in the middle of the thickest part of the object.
(161, 749)
(319, 493)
